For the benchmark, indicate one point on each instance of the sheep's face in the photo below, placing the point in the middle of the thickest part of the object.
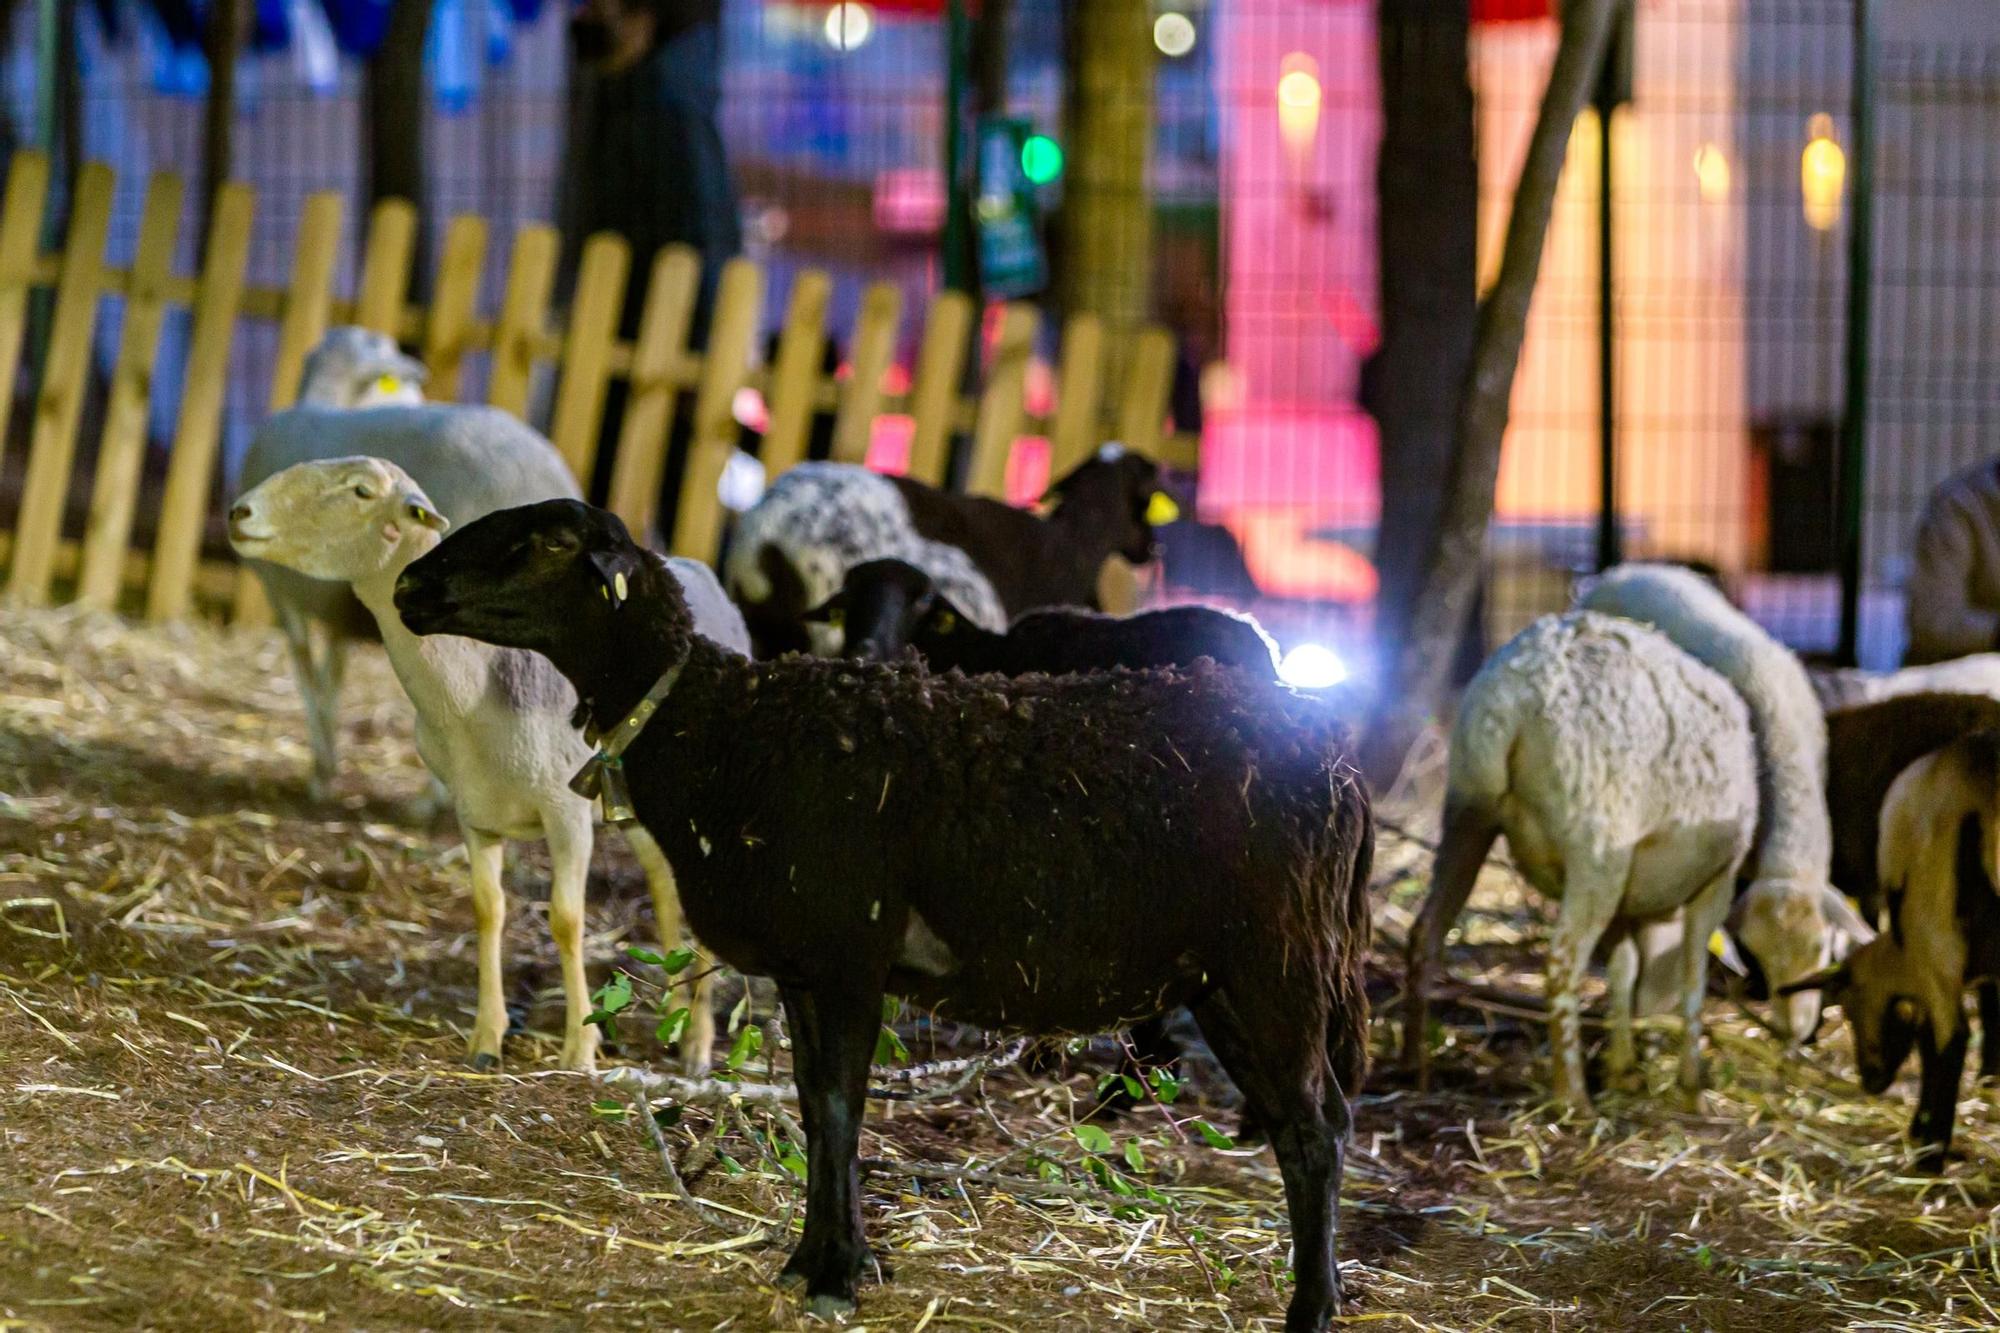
(547, 577)
(343, 519)
(357, 367)
(1784, 924)
(1885, 1018)
(882, 607)
(1122, 490)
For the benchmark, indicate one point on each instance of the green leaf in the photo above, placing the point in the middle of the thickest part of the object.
(678, 960)
(1212, 1136)
(666, 1117)
(613, 997)
(1705, 1257)
(609, 1109)
(1165, 1086)
(749, 1041)
(729, 1164)
(638, 955)
(1118, 1184)
(793, 1163)
(889, 1048)
(1133, 1157)
(1049, 1171)
(672, 1025)
(1092, 1138)
(1134, 1087)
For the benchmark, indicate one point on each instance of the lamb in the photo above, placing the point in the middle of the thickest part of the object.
(496, 725)
(791, 550)
(1940, 864)
(1790, 918)
(1624, 775)
(1845, 686)
(884, 606)
(470, 460)
(1047, 854)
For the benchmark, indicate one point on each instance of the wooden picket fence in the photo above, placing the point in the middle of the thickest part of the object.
(99, 568)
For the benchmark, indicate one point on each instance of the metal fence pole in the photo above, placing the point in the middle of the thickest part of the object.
(1614, 89)
(1860, 294)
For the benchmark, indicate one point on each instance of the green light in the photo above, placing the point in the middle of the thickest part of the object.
(1041, 159)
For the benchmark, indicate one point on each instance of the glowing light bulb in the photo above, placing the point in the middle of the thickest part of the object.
(1822, 175)
(849, 26)
(1712, 174)
(1312, 666)
(1174, 34)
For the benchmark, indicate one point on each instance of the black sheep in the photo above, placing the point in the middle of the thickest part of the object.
(975, 844)
(886, 604)
(1868, 747)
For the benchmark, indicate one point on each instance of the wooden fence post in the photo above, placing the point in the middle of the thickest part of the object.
(307, 307)
(385, 268)
(1149, 381)
(586, 362)
(198, 433)
(793, 392)
(66, 372)
(1003, 410)
(934, 398)
(448, 329)
(698, 526)
(20, 237)
(655, 382)
(517, 335)
(1079, 389)
(868, 360)
(122, 450)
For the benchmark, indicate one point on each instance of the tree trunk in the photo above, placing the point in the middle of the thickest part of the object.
(395, 108)
(221, 40)
(1416, 689)
(1107, 218)
(1427, 187)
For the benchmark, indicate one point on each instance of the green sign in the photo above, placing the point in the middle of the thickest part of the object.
(1012, 162)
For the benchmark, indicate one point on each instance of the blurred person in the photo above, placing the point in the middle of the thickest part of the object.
(645, 160)
(1954, 591)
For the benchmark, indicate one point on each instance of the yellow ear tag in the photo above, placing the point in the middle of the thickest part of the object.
(1715, 943)
(618, 586)
(1161, 509)
(388, 384)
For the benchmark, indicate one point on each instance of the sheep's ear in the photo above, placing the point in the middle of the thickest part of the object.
(417, 509)
(1829, 980)
(616, 569)
(1843, 916)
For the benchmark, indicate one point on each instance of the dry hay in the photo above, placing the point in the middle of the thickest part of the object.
(231, 1097)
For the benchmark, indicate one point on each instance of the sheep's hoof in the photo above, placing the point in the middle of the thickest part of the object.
(832, 1308)
(485, 1060)
(580, 1058)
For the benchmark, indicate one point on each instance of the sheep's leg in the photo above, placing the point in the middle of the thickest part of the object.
(489, 911)
(569, 862)
(1989, 1030)
(1705, 916)
(698, 1040)
(1469, 831)
(1290, 1085)
(833, 1039)
(1937, 1093)
(322, 731)
(1593, 886)
(1621, 976)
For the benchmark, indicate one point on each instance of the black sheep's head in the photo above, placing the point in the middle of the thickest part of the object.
(1118, 491)
(880, 608)
(552, 577)
(1884, 1018)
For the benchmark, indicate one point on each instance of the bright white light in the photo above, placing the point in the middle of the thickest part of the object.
(849, 26)
(1173, 33)
(742, 482)
(1312, 667)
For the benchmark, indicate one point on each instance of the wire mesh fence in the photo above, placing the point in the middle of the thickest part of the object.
(1731, 204)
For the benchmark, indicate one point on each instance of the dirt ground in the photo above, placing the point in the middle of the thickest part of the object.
(232, 1097)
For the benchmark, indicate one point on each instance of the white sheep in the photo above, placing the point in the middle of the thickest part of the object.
(469, 460)
(497, 725)
(1844, 687)
(1624, 775)
(1791, 918)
